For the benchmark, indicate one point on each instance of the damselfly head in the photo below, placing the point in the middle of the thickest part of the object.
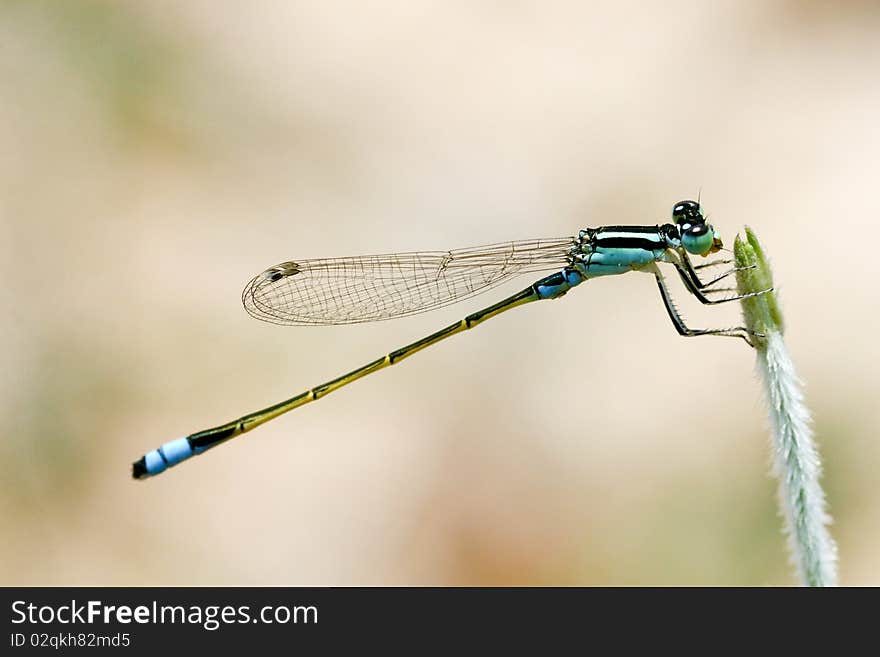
(697, 236)
(687, 212)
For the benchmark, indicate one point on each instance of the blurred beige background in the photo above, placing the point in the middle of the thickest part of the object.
(156, 155)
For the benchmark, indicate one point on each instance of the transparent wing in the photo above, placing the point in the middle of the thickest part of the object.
(376, 287)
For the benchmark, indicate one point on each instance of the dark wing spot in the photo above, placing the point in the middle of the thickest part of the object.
(281, 271)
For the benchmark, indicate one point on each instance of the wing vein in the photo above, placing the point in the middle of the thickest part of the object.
(370, 288)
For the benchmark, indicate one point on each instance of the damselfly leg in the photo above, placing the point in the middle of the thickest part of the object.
(699, 289)
(692, 270)
(688, 332)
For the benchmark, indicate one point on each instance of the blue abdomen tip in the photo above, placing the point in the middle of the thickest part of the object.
(171, 453)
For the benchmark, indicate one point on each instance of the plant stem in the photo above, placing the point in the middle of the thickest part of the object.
(796, 460)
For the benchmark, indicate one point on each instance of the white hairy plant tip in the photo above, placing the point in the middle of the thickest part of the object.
(796, 462)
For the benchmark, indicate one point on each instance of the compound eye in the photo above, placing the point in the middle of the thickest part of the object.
(698, 239)
(687, 212)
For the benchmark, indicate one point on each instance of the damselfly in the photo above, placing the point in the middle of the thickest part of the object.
(378, 287)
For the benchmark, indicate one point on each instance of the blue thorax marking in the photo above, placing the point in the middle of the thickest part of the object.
(607, 251)
(613, 250)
